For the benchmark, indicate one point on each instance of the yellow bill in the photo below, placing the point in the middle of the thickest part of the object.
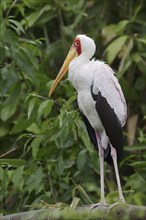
(72, 53)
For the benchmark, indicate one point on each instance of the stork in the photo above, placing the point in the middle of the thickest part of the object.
(101, 102)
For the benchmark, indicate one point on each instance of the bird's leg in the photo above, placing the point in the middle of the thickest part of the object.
(114, 157)
(101, 159)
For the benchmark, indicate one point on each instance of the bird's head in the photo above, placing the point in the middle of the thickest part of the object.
(82, 45)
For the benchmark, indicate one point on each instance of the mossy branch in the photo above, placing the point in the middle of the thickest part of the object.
(120, 212)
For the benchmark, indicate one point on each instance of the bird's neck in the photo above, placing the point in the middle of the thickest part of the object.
(80, 73)
(77, 64)
(83, 58)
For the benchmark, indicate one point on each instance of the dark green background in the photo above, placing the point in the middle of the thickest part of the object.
(46, 156)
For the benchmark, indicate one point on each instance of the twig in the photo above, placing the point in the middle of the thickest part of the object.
(8, 152)
(11, 7)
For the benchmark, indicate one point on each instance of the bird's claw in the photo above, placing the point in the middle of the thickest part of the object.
(98, 204)
(121, 201)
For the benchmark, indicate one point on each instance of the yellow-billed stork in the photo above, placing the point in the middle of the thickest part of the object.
(101, 102)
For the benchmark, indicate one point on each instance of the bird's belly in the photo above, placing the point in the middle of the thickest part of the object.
(87, 106)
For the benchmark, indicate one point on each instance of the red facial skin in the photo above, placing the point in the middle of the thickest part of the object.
(77, 45)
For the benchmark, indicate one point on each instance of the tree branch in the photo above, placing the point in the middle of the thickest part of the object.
(120, 212)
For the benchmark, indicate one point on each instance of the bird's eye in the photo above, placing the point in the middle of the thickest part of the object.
(76, 44)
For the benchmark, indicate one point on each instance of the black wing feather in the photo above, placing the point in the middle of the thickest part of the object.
(110, 122)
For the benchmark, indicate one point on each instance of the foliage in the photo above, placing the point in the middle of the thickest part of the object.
(46, 155)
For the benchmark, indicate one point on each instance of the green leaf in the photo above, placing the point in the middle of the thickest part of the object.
(17, 177)
(38, 179)
(115, 47)
(68, 163)
(21, 124)
(33, 128)
(45, 108)
(82, 159)
(136, 57)
(141, 40)
(16, 26)
(35, 144)
(113, 196)
(113, 30)
(62, 165)
(139, 165)
(45, 17)
(2, 29)
(3, 130)
(33, 18)
(11, 102)
(33, 94)
(125, 60)
(74, 203)
(120, 27)
(136, 11)
(4, 4)
(26, 51)
(67, 104)
(135, 147)
(24, 135)
(83, 192)
(13, 162)
(31, 106)
(124, 68)
(26, 60)
(130, 93)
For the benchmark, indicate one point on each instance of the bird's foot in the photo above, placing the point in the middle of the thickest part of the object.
(101, 203)
(119, 202)
(122, 201)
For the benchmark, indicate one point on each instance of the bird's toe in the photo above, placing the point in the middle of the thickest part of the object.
(94, 206)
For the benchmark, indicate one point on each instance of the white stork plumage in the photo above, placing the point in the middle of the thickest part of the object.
(101, 102)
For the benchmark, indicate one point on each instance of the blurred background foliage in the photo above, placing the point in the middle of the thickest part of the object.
(46, 156)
